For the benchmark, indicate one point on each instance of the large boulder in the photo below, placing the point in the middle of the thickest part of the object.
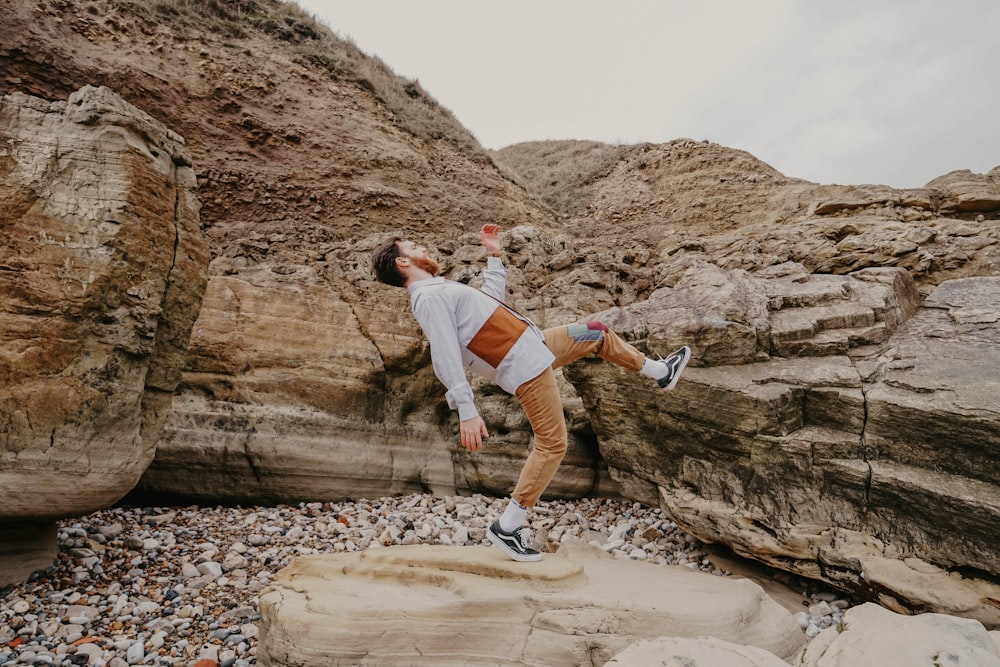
(422, 605)
(859, 453)
(968, 192)
(102, 269)
(871, 635)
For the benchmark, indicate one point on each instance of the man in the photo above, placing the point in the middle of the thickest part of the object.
(469, 328)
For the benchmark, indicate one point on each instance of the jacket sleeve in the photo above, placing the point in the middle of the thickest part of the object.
(495, 279)
(437, 319)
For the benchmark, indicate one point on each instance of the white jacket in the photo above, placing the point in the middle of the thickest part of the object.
(468, 328)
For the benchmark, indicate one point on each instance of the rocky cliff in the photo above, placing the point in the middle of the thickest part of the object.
(845, 433)
(816, 311)
(101, 274)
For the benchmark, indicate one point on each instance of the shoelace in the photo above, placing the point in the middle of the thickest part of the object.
(525, 535)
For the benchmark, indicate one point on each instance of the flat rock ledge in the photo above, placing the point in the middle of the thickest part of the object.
(439, 605)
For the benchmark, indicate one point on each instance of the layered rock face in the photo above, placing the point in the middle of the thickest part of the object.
(422, 605)
(288, 396)
(846, 433)
(102, 268)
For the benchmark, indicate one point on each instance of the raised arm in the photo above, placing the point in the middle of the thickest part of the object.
(495, 276)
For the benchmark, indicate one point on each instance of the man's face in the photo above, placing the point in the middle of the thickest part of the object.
(417, 254)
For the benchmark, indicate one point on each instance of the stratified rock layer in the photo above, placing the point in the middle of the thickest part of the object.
(473, 606)
(866, 463)
(102, 268)
(290, 395)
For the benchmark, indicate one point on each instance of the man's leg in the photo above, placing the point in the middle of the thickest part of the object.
(576, 341)
(572, 342)
(543, 407)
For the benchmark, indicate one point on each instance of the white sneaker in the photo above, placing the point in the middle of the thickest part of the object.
(512, 543)
(675, 364)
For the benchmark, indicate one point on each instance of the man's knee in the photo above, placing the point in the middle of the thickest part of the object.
(552, 444)
(587, 332)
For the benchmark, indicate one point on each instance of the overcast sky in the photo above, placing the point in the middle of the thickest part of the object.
(895, 92)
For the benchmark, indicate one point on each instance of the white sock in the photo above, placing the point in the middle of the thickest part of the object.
(654, 369)
(512, 517)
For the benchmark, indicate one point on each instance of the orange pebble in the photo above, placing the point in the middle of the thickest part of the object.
(85, 640)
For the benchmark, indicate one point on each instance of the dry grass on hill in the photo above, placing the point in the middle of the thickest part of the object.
(314, 43)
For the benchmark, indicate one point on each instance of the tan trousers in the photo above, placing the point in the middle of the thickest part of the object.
(543, 406)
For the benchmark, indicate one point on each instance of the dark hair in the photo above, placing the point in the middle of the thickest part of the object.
(384, 262)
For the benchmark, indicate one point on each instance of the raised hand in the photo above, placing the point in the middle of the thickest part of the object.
(489, 236)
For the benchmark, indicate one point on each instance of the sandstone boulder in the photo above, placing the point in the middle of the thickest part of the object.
(871, 635)
(103, 267)
(864, 463)
(969, 192)
(425, 605)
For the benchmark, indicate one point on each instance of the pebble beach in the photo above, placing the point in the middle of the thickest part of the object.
(179, 585)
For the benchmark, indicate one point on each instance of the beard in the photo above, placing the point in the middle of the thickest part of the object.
(427, 264)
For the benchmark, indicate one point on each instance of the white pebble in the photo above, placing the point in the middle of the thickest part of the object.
(210, 569)
(820, 609)
(135, 653)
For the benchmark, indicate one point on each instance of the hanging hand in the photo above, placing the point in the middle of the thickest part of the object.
(473, 431)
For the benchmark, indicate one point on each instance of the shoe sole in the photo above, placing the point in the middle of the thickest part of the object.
(685, 358)
(520, 558)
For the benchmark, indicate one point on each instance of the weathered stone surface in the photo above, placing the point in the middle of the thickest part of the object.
(932, 248)
(871, 635)
(430, 605)
(938, 401)
(732, 317)
(286, 397)
(288, 392)
(101, 273)
(696, 652)
(864, 467)
(970, 192)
